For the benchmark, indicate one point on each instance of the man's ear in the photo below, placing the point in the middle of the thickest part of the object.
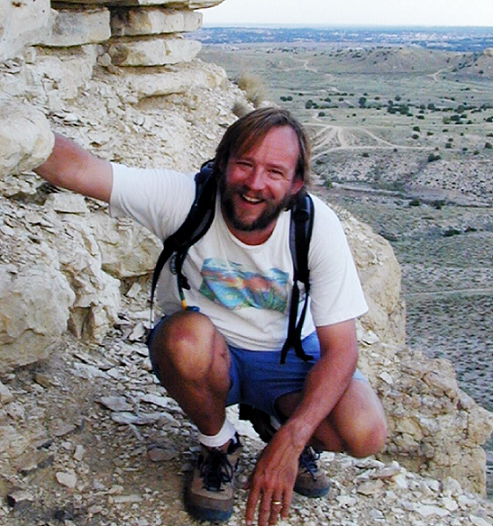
(298, 184)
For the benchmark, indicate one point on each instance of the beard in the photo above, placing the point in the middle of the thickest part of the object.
(271, 211)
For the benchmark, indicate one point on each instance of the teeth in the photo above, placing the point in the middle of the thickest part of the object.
(251, 199)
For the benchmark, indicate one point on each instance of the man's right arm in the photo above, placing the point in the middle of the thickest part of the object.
(71, 167)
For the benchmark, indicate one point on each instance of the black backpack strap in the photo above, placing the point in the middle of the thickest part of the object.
(196, 224)
(302, 217)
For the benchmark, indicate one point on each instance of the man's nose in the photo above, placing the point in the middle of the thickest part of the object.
(256, 178)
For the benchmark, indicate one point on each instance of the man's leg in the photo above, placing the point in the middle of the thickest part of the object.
(356, 425)
(192, 363)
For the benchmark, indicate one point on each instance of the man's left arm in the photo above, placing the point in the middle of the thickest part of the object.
(327, 381)
(329, 378)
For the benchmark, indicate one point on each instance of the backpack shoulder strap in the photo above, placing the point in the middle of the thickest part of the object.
(302, 218)
(196, 224)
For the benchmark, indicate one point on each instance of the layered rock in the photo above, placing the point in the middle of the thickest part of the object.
(59, 73)
(21, 24)
(153, 21)
(76, 27)
(153, 52)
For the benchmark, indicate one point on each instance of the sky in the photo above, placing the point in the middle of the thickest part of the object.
(352, 12)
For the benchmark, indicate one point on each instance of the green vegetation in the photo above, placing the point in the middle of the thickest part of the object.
(387, 102)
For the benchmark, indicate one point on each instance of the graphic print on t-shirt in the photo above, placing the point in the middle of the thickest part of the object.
(235, 287)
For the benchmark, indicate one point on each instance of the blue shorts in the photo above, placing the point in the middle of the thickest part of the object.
(258, 378)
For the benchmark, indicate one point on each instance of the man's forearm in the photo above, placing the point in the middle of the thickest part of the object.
(324, 387)
(71, 167)
(327, 381)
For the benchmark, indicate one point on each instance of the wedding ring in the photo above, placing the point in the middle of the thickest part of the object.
(277, 502)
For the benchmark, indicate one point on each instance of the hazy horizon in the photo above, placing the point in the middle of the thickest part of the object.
(435, 13)
(339, 26)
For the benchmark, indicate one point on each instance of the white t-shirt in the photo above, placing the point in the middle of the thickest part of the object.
(245, 290)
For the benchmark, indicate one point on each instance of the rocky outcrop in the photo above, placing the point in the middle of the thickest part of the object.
(21, 24)
(120, 79)
(61, 72)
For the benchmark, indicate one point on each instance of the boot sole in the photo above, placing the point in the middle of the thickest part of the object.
(206, 514)
(313, 493)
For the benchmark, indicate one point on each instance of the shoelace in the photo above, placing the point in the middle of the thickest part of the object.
(215, 470)
(308, 461)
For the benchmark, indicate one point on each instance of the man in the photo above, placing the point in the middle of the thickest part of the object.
(226, 349)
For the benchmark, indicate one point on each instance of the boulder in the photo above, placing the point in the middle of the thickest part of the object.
(22, 23)
(26, 139)
(127, 249)
(427, 413)
(34, 309)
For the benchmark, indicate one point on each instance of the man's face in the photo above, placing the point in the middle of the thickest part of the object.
(259, 184)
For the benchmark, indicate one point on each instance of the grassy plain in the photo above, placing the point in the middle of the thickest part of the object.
(402, 139)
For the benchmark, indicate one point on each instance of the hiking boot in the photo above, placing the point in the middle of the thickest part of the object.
(209, 495)
(311, 481)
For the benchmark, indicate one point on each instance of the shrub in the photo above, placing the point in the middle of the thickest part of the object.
(433, 157)
(240, 108)
(253, 87)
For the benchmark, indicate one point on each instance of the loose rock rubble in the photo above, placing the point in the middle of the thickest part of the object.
(96, 441)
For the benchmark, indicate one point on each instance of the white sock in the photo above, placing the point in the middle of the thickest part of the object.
(226, 433)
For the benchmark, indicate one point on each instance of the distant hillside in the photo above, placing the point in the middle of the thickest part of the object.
(467, 39)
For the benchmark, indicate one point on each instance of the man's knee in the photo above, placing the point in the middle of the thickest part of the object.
(184, 346)
(359, 420)
(368, 436)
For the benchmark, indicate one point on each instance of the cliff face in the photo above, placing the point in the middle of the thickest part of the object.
(121, 78)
